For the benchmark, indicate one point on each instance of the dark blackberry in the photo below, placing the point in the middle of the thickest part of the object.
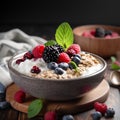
(100, 32)
(60, 48)
(50, 54)
(108, 32)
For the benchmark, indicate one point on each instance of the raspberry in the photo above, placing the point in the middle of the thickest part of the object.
(88, 34)
(101, 107)
(51, 115)
(28, 55)
(63, 57)
(114, 34)
(35, 69)
(18, 61)
(20, 96)
(38, 51)
(75, 48)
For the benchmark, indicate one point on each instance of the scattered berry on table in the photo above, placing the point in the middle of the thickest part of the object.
(59, 71)
(63, 57)
(76, 60)
(110, 113)
(63, 65)
(50, 115)
(20, 96)
(35, 69)
(4, 105)
(28, 55)
(75, 47)
(38, 51)
(96, 115)
(101, 107)
(52, 65)
(68, 117)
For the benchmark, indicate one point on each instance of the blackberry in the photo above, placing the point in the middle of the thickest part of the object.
(51, 53)
(100, 32)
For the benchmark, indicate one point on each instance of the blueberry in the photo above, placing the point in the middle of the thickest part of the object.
(96, 115)
(100, 32)
(77, 55)
(52, 65)
(59, 71)
(76, 60)
(67, 117)
(63, 65)
(109, 113)
(108, 32)
(4, 105)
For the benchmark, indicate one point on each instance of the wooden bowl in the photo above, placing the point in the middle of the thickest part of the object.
(100, 46)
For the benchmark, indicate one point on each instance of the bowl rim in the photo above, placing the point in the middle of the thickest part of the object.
(96, 25)
(103, 68)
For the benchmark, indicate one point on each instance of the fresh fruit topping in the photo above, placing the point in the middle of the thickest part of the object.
(20, 96)
(50, 115)
(52, 65)
(51, 53)
(72, 65)
(108, 32)
(114, 34)
(4, 105)
(67, 117)
(100, 32)
(77, 55)
(76, 60)
(28, 55)
(75, 47)
(88, 34)
(38, 51)
(18, 61)
(63, 65)
(35, 69)
(64, 35)
(101, 107)
(110, 113)
(96, 115)
(63, 57)
(59, 71)
(115, 65)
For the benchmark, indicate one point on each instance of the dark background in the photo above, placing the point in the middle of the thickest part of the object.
(42, 17)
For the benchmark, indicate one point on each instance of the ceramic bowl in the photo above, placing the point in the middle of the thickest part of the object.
(100, 46)
(55, 89)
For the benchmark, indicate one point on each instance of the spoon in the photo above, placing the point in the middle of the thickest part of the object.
(115, 79)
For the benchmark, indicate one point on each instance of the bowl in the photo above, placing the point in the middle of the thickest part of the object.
(57, 89)
(100, 46)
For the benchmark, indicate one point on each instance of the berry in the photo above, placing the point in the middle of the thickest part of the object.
(4, 105)
(20, 96)
(50, 115)
(75, 47)
(100, 32)
(71, 52)
(18, 61)
(59, 71)
(52, 65)
(28, 55)
(76, 60)
(108, 32)
(96, 115)
(87, 34)
(51, 54)
(101, 107)
(38, 51)
(63, 57)
(114, 34)
(35, 69)
(63, 65)
(67, 117)
(77, 55)
(110, 113)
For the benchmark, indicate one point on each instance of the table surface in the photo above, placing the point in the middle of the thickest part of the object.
(113, 101)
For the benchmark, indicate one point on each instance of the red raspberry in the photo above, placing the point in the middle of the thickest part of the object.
(75, 47)
(88, 34)
(101, 107)
(18, 61)
(63, 57)
(51, 115)
(35, 69)
(28, 55)
(114, 35)
(20, 96)
(38, 51)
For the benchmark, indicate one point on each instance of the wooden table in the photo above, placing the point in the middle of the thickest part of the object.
(113, 101)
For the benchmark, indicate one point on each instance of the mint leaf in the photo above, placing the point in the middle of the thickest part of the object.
(64, 35)
(113, 59)
(50, 43)
(34, 108)
(73, 65)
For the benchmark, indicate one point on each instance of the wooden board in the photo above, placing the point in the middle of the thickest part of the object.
(84, 103)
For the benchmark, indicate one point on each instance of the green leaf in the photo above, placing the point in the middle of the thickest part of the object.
(34, 108)
(113, 59)
(64, 35)
(50, 42)
(73, 65)
(115, 66)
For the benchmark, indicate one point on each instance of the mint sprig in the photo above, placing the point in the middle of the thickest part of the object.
(64, 35)
(115, 65)
(35, 107)
(50, 43)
